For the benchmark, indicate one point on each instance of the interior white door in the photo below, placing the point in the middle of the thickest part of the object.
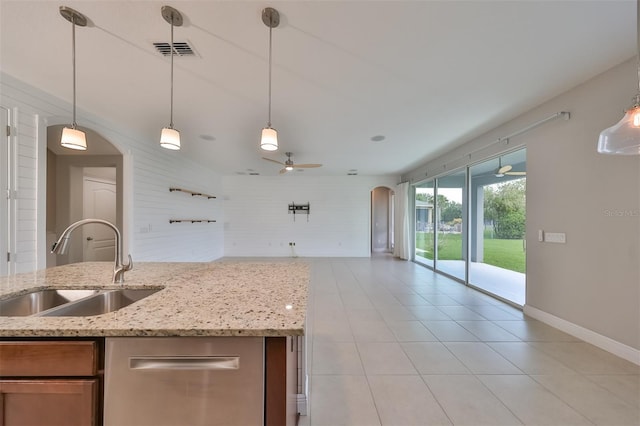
(4, 196)
(99, 203)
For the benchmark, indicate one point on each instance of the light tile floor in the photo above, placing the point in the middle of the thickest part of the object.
(392, 343)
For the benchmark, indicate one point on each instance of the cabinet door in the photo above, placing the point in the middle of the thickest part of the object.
(48, 402)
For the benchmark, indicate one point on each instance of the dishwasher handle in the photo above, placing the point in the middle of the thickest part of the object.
(184, 363)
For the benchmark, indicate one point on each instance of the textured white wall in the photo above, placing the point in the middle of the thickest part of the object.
(149, 171)
(25, 126)
(257, 222)
(155, 239)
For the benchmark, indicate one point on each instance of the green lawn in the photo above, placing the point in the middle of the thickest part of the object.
(508, 254)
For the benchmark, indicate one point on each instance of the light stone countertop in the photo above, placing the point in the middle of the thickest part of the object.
(198, 299)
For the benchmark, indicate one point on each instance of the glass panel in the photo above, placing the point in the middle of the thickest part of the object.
(497, 226)
(450, 241)
(424, 224)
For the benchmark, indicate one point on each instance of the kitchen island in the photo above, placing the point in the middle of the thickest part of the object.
(216, 301)
(197, 299)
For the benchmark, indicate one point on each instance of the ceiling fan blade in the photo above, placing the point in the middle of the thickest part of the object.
(516, 173)
(504, 169)
(274, 161)
(306, 166)
(283, 171)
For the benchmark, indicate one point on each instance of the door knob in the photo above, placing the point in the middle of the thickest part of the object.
(89, 238)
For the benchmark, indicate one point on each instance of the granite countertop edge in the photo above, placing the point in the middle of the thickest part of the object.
(221, 298)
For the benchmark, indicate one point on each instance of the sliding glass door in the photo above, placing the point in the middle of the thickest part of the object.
(425, 219)
(497, 230)
(477, 234)
(450, 236)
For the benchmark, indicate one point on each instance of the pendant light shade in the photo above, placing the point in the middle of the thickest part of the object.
(269, 139)
(170, 137)
(72, 137)
(624, 137)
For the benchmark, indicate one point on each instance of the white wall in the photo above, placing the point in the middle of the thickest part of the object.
(589, 286)
(594, 280)
(149, 171)
(257, 222)
(23, 182)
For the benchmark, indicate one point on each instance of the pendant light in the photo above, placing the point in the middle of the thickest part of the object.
(269, 139)
(624, 137)
(170, 137)
(71, 136)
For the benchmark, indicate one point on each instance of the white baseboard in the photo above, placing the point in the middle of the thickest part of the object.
(603, 342)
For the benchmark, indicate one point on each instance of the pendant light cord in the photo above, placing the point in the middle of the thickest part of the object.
(171, 116)
(73, 60)
(270, 30)
(638, 46)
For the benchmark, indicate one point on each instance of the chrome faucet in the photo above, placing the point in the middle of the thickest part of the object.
(61, 246)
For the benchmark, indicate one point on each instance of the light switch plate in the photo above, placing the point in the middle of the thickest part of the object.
(555, 237)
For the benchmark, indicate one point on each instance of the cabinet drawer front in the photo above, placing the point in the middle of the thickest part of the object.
(48, 359)
(50, 402)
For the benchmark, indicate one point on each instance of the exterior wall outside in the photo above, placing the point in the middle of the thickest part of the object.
(592, 281)
(339, 224)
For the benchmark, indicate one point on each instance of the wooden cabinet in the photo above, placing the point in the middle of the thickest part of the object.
(280, 381)
(49, 383)
(41, 402)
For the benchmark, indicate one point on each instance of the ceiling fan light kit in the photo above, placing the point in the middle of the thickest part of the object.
(269, 139)
(170, 137)
(290, 165)
(72, 137)
(624, 137)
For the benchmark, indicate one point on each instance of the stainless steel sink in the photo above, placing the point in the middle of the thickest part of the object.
(101, 303)
(38, 301)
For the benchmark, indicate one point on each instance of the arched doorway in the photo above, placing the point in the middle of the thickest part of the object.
(79, 182)
(382, 200)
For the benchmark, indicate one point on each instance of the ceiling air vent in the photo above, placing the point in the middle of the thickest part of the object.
(180, 48)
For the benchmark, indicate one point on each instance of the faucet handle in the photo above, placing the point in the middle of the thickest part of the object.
(129, 265)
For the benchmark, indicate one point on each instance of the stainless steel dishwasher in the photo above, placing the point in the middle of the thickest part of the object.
(178, 381)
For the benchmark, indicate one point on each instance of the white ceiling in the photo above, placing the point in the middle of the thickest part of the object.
(428, 75)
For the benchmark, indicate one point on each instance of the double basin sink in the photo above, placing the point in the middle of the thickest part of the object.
(72, 303)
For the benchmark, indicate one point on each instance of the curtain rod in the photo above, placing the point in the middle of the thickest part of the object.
(566, 115)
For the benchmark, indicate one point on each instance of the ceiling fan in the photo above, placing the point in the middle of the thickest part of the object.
(289, 165)
(506, 170)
